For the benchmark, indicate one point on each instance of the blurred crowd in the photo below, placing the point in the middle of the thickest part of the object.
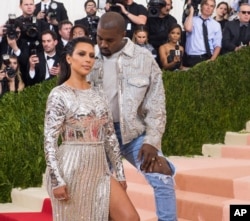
(31, 44)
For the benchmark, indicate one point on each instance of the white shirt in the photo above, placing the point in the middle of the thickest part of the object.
(110, 81)
(43, 5)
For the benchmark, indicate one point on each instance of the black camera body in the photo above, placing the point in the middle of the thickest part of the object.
(114, 7)
(11, 73)
(10, 27)
(29, 27)
(195, 4)
(51, 12)
(154, 7)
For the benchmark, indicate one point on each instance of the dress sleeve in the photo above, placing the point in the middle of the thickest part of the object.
(54, 118)
(112, 149)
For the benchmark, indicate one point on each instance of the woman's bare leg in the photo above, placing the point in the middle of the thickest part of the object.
(120, 207)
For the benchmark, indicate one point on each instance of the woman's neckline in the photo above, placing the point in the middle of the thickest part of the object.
(76, 89)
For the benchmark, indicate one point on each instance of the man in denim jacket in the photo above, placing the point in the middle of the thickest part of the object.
(129, 77)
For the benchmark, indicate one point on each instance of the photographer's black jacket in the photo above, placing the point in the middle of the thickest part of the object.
(22, 58)
(158, 29)
(135, 9)
(61, 12)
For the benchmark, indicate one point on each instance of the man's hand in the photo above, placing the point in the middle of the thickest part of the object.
(40, 15)
(148, 156)
(55, 70)
(123, 9)
(52, 21)
(2, 74)
(12, 43)
(33, 60)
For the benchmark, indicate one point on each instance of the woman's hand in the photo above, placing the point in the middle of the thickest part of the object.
(61, 193)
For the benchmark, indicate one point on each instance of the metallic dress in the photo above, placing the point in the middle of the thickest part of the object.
(82, 122)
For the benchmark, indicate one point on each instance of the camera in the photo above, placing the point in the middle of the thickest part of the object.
(92, 28)
(114, 7)
(154, 7)
(34, 47)
(10, 27)
(195, 4)
(51, 11)
(29, 27)
(11, 73)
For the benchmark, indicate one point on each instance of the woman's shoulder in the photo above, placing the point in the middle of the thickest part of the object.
(167, 46)
(60, 91)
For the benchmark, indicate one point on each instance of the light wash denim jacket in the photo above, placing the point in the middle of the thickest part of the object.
(141, 94)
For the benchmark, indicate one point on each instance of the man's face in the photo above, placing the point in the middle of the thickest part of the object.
(90, 9)
(65, 31)
(27, 7)
(208, 8)
(244, 13)
(166, 9)
(49, 44)
(110, 40)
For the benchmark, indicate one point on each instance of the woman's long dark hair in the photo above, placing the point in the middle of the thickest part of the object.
(68, 50)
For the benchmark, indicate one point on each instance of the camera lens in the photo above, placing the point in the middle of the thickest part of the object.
(10, 72)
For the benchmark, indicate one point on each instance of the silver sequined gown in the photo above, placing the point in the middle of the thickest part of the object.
(82, 120)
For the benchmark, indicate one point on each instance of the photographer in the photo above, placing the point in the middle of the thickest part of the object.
(91, 20)
(12, 44)
(133, 13)
(158, 23)
(44, 65)
(10, 75)
(31, 27)
(52, 12)
(203, 35)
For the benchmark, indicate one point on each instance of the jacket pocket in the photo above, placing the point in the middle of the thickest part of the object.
(138, 81)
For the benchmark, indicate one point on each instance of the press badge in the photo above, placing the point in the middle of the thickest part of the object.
(129, 26)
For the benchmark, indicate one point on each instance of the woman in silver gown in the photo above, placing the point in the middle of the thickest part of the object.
(79, 182)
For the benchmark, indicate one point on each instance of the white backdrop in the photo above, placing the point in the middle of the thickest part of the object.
(75, 8)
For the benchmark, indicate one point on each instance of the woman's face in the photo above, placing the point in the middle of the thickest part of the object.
(82, 59)
(14, 63)
(175, 35)
(141, 37)
(221, 10)
(78, 32)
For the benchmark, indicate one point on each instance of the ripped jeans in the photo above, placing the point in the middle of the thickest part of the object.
(163, 185)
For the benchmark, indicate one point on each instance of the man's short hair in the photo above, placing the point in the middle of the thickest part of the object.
(21, 2)
(64, 22)
(203, 2)
(88, 1)
(50, 32)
